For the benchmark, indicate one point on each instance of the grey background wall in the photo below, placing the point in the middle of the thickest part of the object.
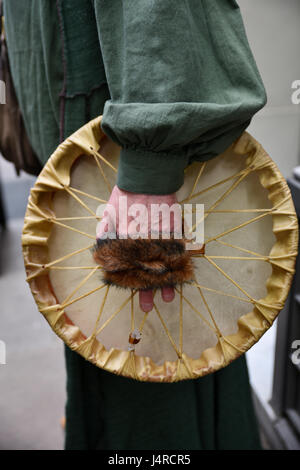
(274, 35)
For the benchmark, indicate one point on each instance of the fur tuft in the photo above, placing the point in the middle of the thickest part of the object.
(144, 263)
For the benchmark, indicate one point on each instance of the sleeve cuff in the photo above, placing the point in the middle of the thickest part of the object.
(146, 172)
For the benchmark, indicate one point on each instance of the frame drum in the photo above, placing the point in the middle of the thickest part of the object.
(241, 280)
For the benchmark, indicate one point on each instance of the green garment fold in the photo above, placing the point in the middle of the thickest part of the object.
(183, 85)
(105, 411)
(65, 76)
(178, 78)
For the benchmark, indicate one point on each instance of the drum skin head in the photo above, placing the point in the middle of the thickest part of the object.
(241, 280)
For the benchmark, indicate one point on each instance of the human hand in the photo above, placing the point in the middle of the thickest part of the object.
(154, 256)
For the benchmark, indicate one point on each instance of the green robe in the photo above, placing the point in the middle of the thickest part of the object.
(175, 82)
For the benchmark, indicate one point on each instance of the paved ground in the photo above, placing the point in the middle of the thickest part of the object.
(32, 382)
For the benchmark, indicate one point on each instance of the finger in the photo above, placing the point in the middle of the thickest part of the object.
(168, 294)
(102, 227)
(146, 300)
(107, 226)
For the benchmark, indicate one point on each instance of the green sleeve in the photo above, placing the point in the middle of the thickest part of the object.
(183, 85)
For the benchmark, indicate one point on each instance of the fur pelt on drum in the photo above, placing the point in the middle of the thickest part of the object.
(144, 263)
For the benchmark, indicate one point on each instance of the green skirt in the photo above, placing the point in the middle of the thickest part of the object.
(105, 411)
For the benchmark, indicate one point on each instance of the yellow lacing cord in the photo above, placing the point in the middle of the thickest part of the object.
(267, 259)
(116, 313)
(91, 237)
(167, 331)
(102, 173)
(240, 211)
(92, 291)
(251, 167)
(228, 277)
(94, 334)
(213, 186)
(244, 250)
(242, 258)
(77, 198)
(234, 346)
(237, 227)
(143, 322)
(52, 219)
(180, 321)
(209, 311)
(131, 347)
(39, 210)
(255, 302)
(69, 255)
(256, 254)
(83, 217)
(145, 316)
(248, 211)
(202, 167)
(246, 172)
(197, 312)
(67, 304)
(51, 265)
(220, 292)
(89, 341)
(220, 335)
(132, 311)
(228, 191)
(80, 284)
(244, 224)
(97, 154)
(57, 268)
(88, 195)
(181, 358)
